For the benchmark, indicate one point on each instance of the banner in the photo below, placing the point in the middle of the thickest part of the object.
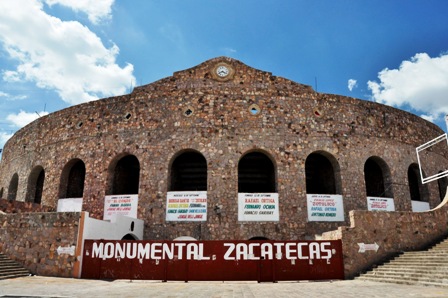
(186, 206)
(258, 207)
(380, 204)
(419, 206)
(70, 205)
(325, 207)
(125, 205)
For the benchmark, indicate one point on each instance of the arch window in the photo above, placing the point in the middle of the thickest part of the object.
(13, 185)
(256, 174)
(442, 184)
(36, 185)
(417, 190)
(72, 179)
(189, 172)
(322, 174)
(377, 178)
(1, 193)
(125, 176)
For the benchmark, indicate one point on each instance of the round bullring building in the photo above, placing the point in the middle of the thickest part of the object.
(225, 151)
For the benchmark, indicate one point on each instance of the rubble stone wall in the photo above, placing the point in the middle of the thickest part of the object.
(32, 239)
(393, 232)
(293, 122)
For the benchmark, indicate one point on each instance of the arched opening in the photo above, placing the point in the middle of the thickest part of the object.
(72, 179)
(443, 184)
(377, 178)
(35, 185)
(125, 176)
(185, 238)
(189, 172)
(1, 193)
(13, 185)
(417, 190)
(322, 174)
(256, 174)
(129, 237)
(258, 238)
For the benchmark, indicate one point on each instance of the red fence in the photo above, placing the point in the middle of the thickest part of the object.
(213, 260)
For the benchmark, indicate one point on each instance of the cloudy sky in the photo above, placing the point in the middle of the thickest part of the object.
(58, 53)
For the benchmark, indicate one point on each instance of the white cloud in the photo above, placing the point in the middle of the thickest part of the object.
(10, 97)
(4, 137)
(23, 118)
(352, 84)
(421, 83)
(429, 118)
(96, 10)
(63, 56)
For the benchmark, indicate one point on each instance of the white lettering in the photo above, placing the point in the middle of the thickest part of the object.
(133, 250)
(97, 250)
(168, 252)
(325, 252)
(299, 250)
(192, 251)
(120, 251)
(143, 252)
(314, 250)
(231, 248)
(290, 250)
(251, 251)
(266, 251)
(108, 250)
(155, 251)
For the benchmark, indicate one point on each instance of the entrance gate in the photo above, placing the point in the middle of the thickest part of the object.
(263, 261)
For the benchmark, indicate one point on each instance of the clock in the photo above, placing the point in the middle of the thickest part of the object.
(222, 71)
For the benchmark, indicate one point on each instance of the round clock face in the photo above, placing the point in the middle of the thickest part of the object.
(222, 71)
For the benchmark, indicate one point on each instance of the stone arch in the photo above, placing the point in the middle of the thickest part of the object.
(256, 173)
(12, 189)
(258, 238)
(417, 190)
(188, 172)
(72, 179)
(442, 184)
(35, 185)
(124, 175)
(323, 174)
(129, 236)
(377, 178)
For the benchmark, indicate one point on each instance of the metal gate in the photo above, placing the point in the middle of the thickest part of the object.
(263, 261)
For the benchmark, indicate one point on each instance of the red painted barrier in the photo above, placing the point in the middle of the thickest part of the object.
(213, 260)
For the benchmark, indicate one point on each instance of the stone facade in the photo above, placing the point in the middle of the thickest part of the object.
(32, 239)
(393, 232)
(223, 118)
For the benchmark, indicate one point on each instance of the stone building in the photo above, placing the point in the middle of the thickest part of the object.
(236, 137)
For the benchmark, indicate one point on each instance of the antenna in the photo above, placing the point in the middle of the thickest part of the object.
(315, 83)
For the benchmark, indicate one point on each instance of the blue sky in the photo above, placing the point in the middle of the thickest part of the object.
(57, 53)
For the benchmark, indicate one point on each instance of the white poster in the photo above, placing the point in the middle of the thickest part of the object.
(419, 206)
(70, 205)
(125, 205)
(186, 206)
(258, 207)
(325, 207)
(380, 204)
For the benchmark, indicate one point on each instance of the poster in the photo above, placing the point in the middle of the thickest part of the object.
(419, 206)
(380, 204)
(186, 206)
(125, 205)
(325, 207)
(258, 207)
(70, 205)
